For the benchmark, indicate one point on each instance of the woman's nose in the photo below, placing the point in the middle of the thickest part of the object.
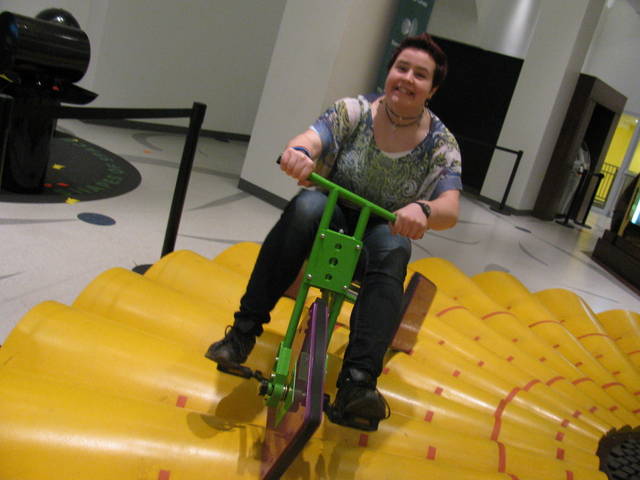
(408, 76)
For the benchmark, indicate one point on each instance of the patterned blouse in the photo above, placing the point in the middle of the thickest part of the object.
(351, 158)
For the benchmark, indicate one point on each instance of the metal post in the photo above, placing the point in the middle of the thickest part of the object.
(182, 182)
(6, 109)
(514, 170)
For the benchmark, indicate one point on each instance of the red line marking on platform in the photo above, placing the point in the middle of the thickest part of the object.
(429, 416)
(481, 363)
(637, 393)
(554, 380)
(580, 380)
(529, 385)
(542, 359)
(512, 394)
(636, 411)
(431, 453)
(513, 477)
(502, 458)
(599, 356)
(557, 345)
(614, 408)
(559, 436)
(560, 454)
(612, 384)
(617, 372)
(441, 342)
(510, 358)
(569, 475)
(447, 310)
(411, 352)
(489, 315)
(181, 401)
(565, 423)
(593, 335)
(514, 340)
(439, 391)
(593, 409)
(456, 373)
(385, 370)
(497, 425)
(363, 441)
(577, 413)
(164, 475)
(535, 324)
(476, 338)
(578, 364)
(634, 352)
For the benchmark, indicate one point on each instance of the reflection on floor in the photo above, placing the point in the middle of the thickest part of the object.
(50, 252)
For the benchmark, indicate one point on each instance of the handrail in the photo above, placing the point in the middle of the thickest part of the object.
(352, 197)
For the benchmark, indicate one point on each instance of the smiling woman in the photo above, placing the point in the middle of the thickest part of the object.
(393, 151)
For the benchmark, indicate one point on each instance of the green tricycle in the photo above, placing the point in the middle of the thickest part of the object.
(294, 392)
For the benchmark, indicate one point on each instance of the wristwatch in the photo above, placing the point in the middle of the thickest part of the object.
(426, 209)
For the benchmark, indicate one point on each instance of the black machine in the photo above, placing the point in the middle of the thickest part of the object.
(41, 59)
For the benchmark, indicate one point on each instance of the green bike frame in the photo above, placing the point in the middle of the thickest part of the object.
(331, 266)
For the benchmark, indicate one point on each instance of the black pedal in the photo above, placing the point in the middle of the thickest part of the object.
(236, 369)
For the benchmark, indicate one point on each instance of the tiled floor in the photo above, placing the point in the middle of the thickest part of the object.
(48, 253)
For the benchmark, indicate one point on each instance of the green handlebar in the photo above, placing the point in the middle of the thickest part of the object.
(352, 197)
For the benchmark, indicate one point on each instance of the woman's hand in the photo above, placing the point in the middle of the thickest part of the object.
(410, 222)
(298, 165)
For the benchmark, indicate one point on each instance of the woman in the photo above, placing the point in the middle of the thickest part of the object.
(393, 151)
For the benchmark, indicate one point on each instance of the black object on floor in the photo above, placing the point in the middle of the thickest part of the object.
(79, 170)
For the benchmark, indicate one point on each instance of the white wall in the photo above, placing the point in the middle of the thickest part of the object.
(544, 89)
(167, 53)
(615, 53)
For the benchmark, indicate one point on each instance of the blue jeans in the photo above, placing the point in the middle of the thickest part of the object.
(376, 313)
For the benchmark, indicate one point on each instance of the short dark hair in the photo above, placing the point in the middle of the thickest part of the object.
(426, 43)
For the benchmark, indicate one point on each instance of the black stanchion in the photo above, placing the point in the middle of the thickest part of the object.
(518, 153)
(573, 205)
(6, 107)
(501, 208)
(180, 192)
(196, 115)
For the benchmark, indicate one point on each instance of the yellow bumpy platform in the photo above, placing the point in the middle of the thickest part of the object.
(503, 384)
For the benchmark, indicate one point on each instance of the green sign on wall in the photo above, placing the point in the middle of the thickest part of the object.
(411, 18)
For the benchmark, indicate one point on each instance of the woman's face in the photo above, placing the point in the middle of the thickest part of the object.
(410, 80)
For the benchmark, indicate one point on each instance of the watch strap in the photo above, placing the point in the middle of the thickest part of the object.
(426, 209)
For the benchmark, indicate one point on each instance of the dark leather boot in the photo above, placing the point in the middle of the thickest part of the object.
(233, 349)
(358, 403)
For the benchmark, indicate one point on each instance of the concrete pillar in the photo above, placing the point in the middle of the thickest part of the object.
(552, 64)
(324, 51)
